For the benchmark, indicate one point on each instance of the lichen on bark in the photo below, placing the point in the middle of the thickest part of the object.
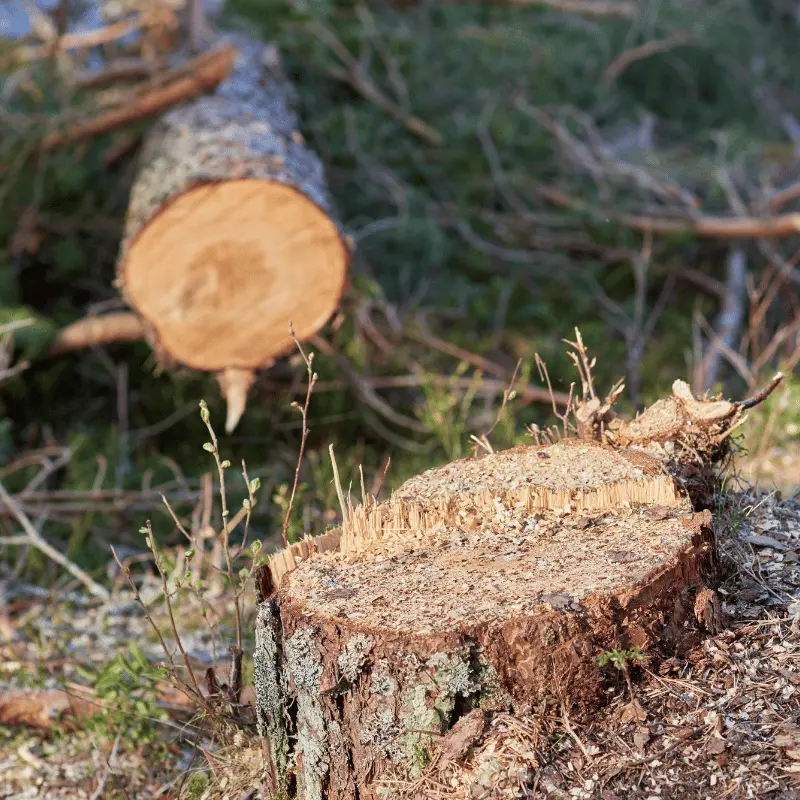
(269, 691)
(304, 665)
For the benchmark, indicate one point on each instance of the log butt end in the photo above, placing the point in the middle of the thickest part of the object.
(221, 271)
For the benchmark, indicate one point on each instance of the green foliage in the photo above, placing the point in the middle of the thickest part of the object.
(126, 688)
(196, 784)
(620, 659)
(32, 339)
(446, 411)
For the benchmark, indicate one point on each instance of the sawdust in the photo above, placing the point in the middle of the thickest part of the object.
(568, 465)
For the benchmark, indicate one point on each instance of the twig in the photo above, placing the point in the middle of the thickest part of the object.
(312, 379)
(108, 771)
(460, 353)
(709, 227)
(761, 396)
(784, 197)
(379, 488)
(571, 731)
(81, 40)
(589, 8)
(40, 544)
(628, 57)
(353, 73)
(226, 530)
(15, 325)
(508, 394)
(545, 376)
(151, 542)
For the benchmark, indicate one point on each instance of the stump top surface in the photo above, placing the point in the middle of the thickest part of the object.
(569, 465)
(514, 564)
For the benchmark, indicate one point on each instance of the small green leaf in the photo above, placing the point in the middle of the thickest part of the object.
(208, 447)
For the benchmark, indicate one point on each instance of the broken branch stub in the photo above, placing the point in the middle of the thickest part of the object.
(491, 583)
(691, 436)
(229, 234)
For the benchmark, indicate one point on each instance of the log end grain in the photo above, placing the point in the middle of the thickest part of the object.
(222, 270)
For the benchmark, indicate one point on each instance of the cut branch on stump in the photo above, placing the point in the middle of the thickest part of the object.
(229, 236)
(491, 583)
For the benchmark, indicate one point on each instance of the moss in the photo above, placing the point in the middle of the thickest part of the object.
(355, 653)
(305, 671)
(196, 784)
(416, 717)
(420, 758)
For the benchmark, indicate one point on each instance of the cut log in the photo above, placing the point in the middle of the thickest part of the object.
(229, 236)
(488, 584)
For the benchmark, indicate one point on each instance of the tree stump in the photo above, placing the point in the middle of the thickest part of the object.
(229, 235)
(488, 584)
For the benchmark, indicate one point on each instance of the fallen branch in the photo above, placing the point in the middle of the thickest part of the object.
(628, 57)
(123, 326)
(590, 8)
(731, 315)
(36, 539)
(530, 394)
(121, 69)
(709, 227)
(203, 74)
(353, 74)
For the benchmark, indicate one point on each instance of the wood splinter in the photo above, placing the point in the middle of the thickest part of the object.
(234, 384)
